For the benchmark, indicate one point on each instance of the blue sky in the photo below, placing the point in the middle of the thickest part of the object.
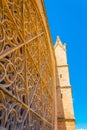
(68, 19)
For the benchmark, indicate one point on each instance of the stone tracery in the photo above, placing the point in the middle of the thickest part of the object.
(25, 77)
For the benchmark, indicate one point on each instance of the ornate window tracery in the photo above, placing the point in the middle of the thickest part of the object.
(26, 77)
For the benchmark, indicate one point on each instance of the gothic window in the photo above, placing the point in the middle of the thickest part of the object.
(61, 75)
(26, 73)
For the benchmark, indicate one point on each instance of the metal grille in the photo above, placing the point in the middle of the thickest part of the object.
(26, 76)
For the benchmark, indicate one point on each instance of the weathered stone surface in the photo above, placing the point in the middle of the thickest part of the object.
(65, 114)
(34, 95)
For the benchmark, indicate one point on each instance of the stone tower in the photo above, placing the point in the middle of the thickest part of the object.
(65, 114)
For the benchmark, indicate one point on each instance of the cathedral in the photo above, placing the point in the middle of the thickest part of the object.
(35, 90)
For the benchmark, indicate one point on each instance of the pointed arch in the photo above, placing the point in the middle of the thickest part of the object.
(27, 59)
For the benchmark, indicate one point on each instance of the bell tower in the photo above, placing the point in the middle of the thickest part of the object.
(65, 115)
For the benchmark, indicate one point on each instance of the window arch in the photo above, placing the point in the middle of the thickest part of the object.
(25, 65)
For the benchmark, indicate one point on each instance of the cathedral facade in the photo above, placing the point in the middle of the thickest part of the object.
(35, 92)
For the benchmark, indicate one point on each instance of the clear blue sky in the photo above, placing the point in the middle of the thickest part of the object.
(68, 19)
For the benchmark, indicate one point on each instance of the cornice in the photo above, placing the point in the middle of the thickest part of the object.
(59, 66)
(66, 119)
(64, 87)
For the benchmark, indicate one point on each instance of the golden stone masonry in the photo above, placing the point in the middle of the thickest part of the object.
(35, 92)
